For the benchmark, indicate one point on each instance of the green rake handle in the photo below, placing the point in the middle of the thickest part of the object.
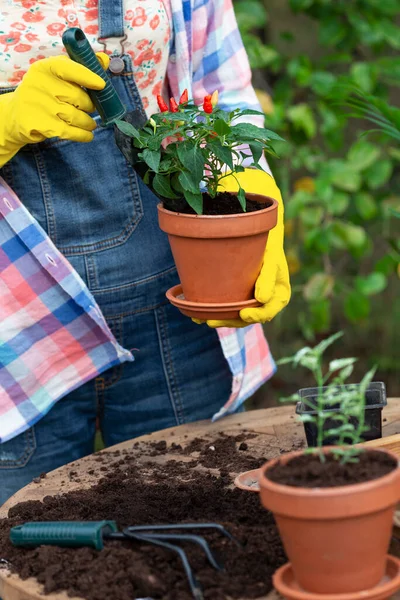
(69, 534)
(107, 101)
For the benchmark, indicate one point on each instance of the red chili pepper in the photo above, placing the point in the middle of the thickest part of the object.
(163, 106)
(207, 105)
(173, 105)
(184, 98)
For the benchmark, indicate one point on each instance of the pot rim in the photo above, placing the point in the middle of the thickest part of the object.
(321, 493)
(244, 215)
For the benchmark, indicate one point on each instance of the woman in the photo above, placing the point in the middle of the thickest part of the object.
(61, 368)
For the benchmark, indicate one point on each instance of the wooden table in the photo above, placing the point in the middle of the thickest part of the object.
(276, 428)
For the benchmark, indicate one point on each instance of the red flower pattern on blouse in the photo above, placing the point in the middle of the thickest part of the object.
(32, 32)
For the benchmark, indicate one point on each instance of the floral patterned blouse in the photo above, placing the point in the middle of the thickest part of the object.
(32, 29)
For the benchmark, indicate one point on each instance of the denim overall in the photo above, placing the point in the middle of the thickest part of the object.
(104, 220)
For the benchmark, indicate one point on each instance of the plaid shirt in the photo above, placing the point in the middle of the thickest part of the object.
(53, 336)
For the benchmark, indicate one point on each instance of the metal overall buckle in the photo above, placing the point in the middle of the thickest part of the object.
(117, 64)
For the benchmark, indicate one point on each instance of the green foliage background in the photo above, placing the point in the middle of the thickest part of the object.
(341, 188)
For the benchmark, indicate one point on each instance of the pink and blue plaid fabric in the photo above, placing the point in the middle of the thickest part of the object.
(53, 336)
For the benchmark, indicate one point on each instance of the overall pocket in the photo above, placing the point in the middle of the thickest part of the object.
(84, 195)
(18, 451)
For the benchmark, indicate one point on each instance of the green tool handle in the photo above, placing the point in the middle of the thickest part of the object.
(106, 101)
(70, 534)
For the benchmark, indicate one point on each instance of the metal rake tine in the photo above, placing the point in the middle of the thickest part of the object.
(215, 526)
(196, 539)
(194, 585)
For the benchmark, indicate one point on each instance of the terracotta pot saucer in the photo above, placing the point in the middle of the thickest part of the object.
(207, 311)
(287, 586)
(249, 480)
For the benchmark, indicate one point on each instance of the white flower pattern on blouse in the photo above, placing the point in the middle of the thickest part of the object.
(31, 30)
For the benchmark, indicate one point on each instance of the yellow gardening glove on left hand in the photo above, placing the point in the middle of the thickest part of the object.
(273, 285)
(49, 102)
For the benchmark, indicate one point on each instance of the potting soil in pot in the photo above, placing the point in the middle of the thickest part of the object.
(151, 493)
(224, 204)
(308, 471)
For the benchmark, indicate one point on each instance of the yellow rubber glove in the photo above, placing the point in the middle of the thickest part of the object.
(273, 284)
(49, 102)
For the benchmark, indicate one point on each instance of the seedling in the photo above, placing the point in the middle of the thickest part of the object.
(345, 405)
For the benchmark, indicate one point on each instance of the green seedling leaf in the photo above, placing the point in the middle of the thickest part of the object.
(341, 363)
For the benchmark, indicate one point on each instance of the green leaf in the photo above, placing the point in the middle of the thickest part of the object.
(372, 284)
(312, 216)
(162, 186)
(363, 76)
(128, 129)
(379, 174)
(242, 198)
(221, 127)
(344, 177)
(322, 82)
(300, 5)
(195, 201)
(332, 30)
(338, 203)
(176, 185)
(250, 111)
(320, 312)
(256, 150)
(302, 118)
(392, 35)
(300, 69)
(193, 160)
(247, 131)
(188, 183)
(341, 363)
(223, 153)
(304, 418)
(354, 235)
(152, 158)
(365, 205)
(362, 155)
(386, 265)
(319, 286)
(356, 306)
(322, 346)
(260, 55)
(250, 14)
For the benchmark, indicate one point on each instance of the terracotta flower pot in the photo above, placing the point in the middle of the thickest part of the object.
(219, 258)
(336, 538)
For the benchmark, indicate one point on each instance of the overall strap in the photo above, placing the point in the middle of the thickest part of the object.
(111, 19)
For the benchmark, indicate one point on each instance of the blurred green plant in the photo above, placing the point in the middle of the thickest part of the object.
(340, 188)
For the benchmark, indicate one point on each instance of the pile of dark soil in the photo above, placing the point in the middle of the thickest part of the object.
(309, 471)
(151, 493)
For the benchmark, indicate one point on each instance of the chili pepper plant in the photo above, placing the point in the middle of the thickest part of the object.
(187, 149)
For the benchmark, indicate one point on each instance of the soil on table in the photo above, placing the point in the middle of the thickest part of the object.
(309, 472)
(224, 203)
(151, 493)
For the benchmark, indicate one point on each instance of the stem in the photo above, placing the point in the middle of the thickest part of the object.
(319, 377)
